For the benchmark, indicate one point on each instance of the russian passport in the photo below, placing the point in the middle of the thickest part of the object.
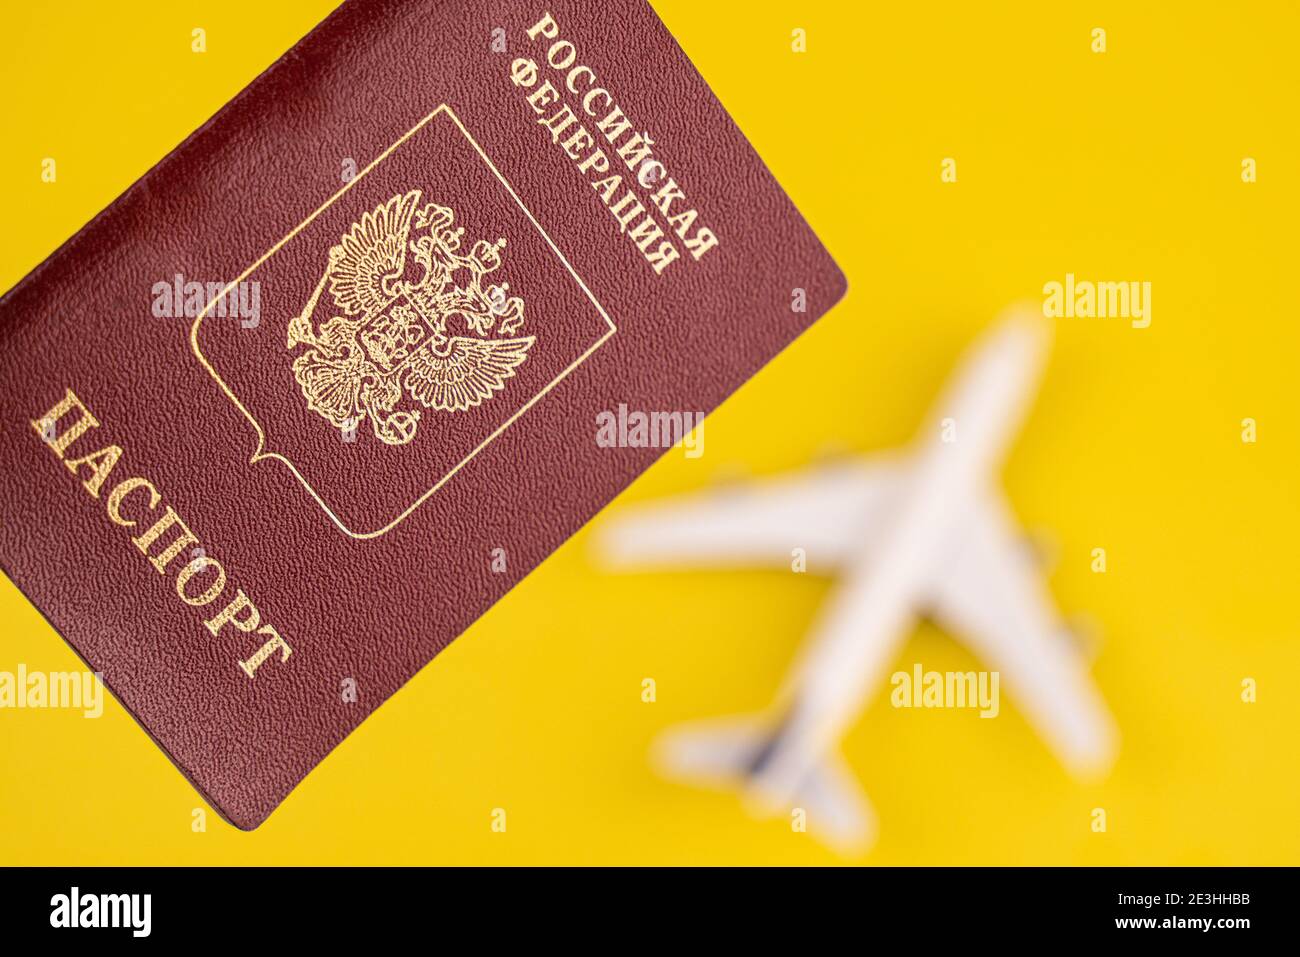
(270, 422)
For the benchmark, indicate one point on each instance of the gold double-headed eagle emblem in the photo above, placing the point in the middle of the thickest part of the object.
(442, 340)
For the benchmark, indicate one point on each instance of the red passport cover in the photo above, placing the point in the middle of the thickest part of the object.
(316, 391)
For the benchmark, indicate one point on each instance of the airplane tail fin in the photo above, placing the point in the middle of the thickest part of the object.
(731, 752)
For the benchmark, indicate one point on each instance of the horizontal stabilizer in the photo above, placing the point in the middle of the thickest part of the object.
(725, 753)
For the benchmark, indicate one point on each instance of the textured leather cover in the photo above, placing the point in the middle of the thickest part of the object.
(428, 435)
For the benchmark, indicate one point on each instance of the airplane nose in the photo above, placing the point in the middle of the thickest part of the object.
(992, 391)
(1022, 336)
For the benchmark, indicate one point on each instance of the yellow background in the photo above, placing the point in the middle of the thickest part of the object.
(1116, 166)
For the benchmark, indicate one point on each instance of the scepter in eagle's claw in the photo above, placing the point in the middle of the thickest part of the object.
(300, 330)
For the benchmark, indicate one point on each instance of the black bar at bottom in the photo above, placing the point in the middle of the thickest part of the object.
(216, 906)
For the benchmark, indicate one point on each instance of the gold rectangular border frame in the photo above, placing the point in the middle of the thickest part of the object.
(260, 452)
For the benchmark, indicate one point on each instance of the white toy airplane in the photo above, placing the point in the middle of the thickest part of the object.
(926, 533)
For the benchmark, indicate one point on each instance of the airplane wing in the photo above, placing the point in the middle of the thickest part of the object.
(829, 513)
(991, 595)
